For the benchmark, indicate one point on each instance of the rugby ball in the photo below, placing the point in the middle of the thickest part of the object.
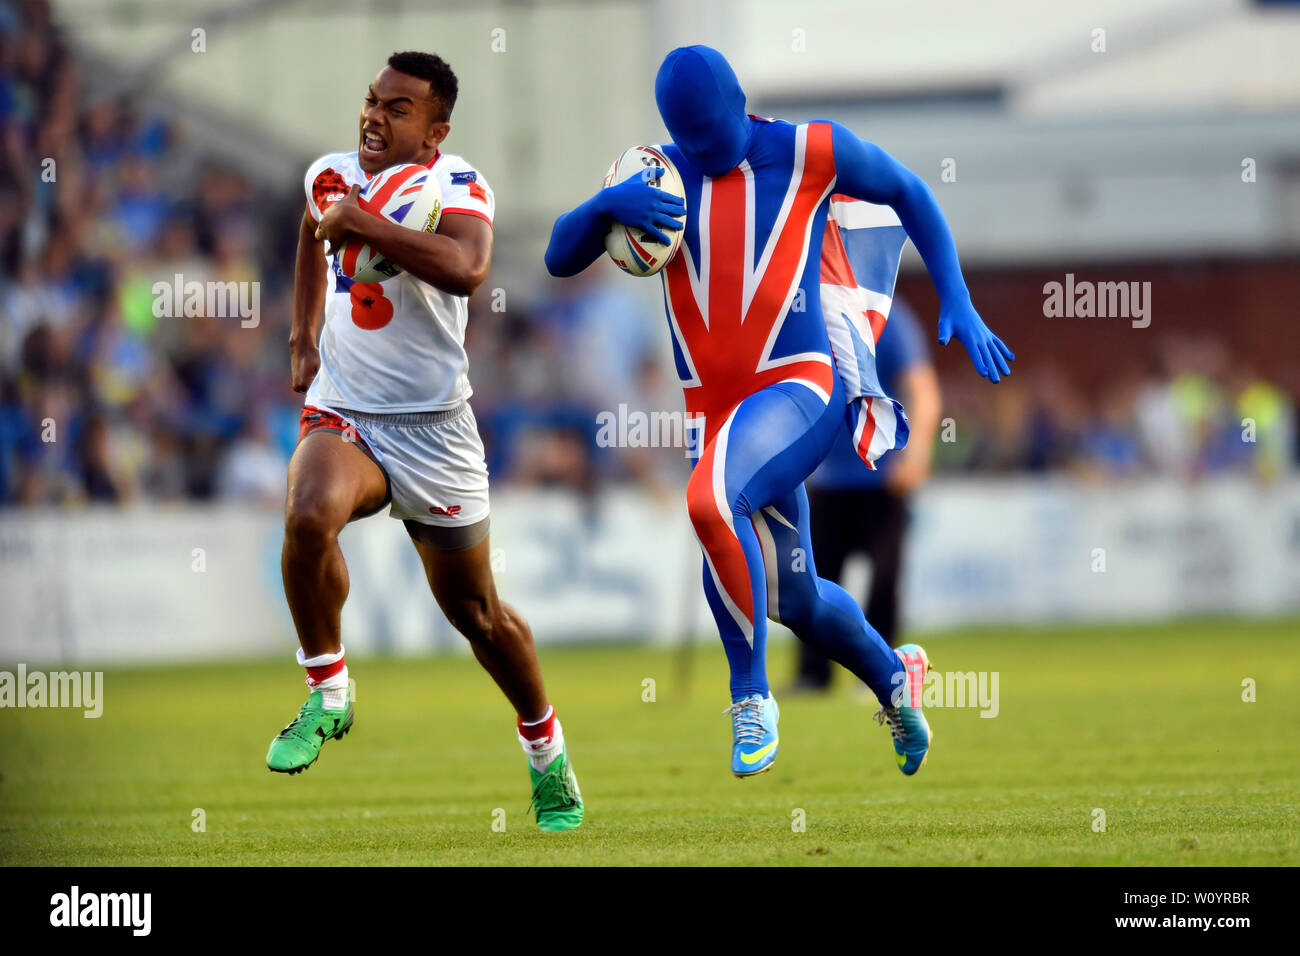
(634, 251)
(408, 195)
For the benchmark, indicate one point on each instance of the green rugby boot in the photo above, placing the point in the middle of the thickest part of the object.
(557, 801)
(296, 748)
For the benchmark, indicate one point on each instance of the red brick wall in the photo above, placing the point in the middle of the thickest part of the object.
(1251, 307)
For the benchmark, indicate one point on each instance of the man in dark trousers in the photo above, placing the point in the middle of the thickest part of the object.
(856, 510)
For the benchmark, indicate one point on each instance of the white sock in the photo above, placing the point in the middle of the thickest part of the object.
(542, 752)
(334, 690)
(320, 660)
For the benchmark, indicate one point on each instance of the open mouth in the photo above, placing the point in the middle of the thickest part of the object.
(372, 144)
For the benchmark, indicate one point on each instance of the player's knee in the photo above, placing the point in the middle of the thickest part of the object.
(802, 602)
(474, 619)
(702, 508)
(797, 608)
(308, 522)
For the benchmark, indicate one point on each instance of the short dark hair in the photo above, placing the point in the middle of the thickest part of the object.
(431, 67)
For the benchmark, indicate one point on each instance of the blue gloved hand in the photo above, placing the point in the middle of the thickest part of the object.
(636, 203)
(986, 350)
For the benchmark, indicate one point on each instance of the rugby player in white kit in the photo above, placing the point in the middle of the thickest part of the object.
(387, 422)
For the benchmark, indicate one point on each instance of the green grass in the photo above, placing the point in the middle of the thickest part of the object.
(1146, 723)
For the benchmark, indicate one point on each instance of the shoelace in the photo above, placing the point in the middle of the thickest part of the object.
(747, 720)
(297, 727)
(895, 719)
(552, 786)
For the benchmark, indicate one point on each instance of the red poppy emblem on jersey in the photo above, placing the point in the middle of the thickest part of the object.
(327, 189)
(370, 309)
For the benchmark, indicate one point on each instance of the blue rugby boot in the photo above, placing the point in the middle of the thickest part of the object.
(753, 728)
(907, 725)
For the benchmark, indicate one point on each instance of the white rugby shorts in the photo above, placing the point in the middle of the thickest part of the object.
(433, 461)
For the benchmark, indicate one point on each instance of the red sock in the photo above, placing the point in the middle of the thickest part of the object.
(317, 675)
(540, 733)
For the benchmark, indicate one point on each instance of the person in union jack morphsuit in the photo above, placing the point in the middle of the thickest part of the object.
(769, 375)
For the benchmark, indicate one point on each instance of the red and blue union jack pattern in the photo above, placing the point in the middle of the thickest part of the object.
(739, 293)
(769, 380)
(860, 255)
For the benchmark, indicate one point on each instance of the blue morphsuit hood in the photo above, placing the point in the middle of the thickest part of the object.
(703, 106)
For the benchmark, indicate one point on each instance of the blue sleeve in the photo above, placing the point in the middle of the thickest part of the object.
(865, 171)
(578, 238)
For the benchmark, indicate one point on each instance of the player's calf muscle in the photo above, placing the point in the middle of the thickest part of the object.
(461, 582)
(329, 483)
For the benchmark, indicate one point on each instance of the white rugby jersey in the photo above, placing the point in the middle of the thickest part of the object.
(399, 345)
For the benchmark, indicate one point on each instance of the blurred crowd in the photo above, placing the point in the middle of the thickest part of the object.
(1191, 408)
(103, 400)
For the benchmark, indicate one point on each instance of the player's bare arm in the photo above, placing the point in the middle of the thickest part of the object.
(308, 306)
(921, 396)
(454, 259)
(865, 171)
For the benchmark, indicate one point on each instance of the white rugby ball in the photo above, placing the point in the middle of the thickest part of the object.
(634, 251)
(408, 195)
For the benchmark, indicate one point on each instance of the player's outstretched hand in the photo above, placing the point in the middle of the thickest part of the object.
(987, 353)
(336, 221)
(634, 202)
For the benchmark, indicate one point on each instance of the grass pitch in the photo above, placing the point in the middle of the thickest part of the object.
(1145, 723)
